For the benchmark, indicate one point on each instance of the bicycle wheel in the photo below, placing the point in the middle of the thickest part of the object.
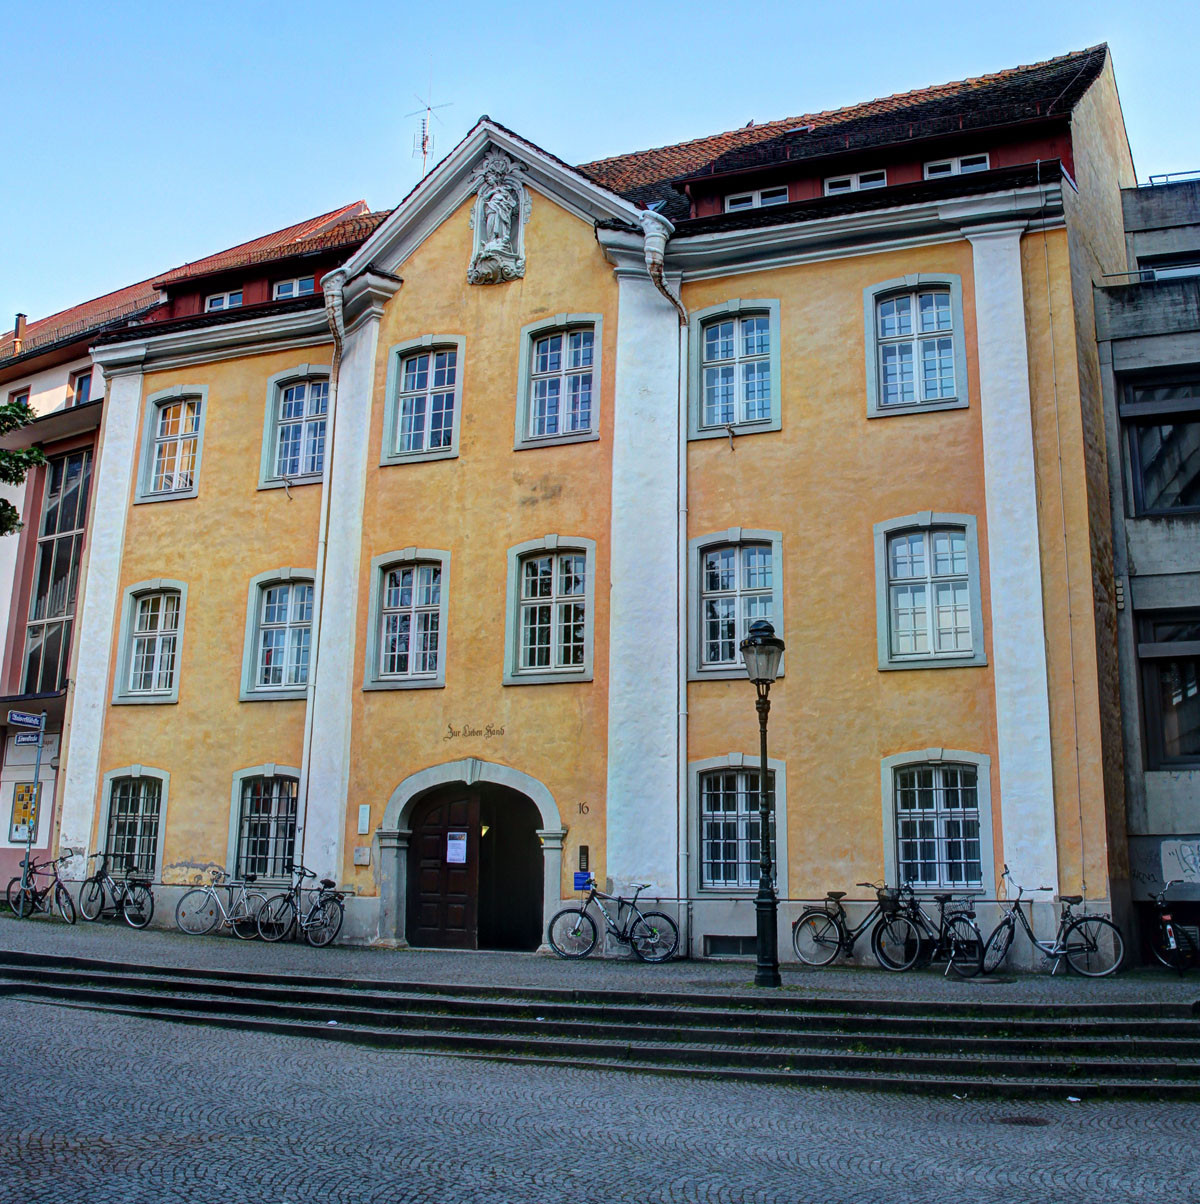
(896, 943)
(196, 912)
(244, 920)
(14, 889)
(21, 899)
(1094, 947)
(276, 917)
(326, 924)
(91, 898)
(966, 947)
(137, 905)
(997, 946)
(572, 932)
(654, 936)
(816, 938)
(1179, 958)
(64, 903)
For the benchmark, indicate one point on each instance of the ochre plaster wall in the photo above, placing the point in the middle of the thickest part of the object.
(477, 506)
(216, 543)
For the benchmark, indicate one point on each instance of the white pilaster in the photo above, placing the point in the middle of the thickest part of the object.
(1014, 560)
(337, 670)
(644, 639)
(96, 619)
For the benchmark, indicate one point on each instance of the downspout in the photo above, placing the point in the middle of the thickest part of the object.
(332, 285)
(656, 230)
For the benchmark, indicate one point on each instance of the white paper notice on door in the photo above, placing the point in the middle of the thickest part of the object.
(456, 848)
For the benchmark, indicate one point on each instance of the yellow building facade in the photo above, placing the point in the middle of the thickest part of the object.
(436, 587)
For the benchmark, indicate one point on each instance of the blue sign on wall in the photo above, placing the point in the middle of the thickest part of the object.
(583, 879)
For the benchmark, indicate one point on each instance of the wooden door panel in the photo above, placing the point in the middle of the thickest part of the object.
(444, 898)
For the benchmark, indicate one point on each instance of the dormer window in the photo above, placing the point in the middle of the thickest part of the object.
(958, 166)
(757, 199)
(219, 301)
(285, 290)
(855, 182)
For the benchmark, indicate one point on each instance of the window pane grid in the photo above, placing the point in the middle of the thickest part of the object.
(176, 438)
(736, 589)
(155, 634)
(560, 400)
(300, 429)
(410, 621)
(736, 370)
(914, 332)
(425, 418)
(937, 826)
(284, 636)
(133, 815)
(266, 827)
(553, 618)
(729, 826)
(929, 597)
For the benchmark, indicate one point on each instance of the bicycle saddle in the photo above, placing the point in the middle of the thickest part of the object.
(250, 877)
(942, 898)
(1072, 899)
(328, 883)
(639, 885)
(835, 895)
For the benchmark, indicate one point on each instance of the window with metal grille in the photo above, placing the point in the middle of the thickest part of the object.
(729, 827)
(134, 806)
(56, 573)
(736, 589)
(553, 622)
(915, 340)
(300, 418)
(937, 825)
(266, 827)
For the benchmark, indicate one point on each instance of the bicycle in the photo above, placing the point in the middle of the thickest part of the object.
(1170, 943)
(27, 899)
(131, 896)
(653, 935)
(280, 915)
(201, 909)
(1091, 944)
(910, 936)
(820, 933)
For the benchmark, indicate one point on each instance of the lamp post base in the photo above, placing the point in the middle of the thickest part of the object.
(766, 969)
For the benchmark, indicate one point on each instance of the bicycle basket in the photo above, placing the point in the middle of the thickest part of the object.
(889, 900)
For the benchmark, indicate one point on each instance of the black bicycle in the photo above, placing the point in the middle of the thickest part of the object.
(652, 935)
(28, 899)
(320, 921)
(131, 896)
(1170, 943)
(910, 937)
(820, 933)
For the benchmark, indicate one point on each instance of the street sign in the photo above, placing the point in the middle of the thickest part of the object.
(23, 719)
(26, 797)
(28, 738)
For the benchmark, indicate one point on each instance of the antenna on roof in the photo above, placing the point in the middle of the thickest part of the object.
(423, 142)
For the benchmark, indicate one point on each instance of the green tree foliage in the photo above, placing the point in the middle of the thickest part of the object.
(14, 464)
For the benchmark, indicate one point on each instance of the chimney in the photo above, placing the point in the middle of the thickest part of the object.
(18, 333)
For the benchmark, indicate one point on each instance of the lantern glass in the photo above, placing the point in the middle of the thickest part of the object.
(762, 651)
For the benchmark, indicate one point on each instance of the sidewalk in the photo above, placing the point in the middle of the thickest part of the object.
(115, 942)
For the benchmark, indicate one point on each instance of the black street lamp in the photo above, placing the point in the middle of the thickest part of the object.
(762, 651)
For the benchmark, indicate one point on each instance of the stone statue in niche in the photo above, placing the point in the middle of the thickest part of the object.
(498, 219)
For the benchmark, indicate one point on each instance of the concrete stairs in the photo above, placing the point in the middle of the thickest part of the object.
(1149, 1050)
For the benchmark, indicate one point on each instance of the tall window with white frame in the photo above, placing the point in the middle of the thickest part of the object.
(736, 371)
(284, 635)
(729, 826)
(176, 438)
(553, 605)
(929, 594)
(266, 826)
(300, 429)
(736, 589)
(154, 641)
(937, 825)
(425, 419)
(915, 339)
(410, 635)
(134, 806)
(560, 383)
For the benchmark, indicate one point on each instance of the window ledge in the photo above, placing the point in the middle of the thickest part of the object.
(737, 429)
(416, 683)
(545, 679)
(142, 700)
(936, 662)
(174, 496)
(291, 482)
(418, 457)
(924, 407)
(272, 695)
(732, 673)
(532, 441)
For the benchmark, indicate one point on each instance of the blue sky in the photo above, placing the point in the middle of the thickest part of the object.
(140, 136)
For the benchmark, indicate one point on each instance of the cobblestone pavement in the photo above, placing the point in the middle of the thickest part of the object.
(114, 1109)
(116, 942)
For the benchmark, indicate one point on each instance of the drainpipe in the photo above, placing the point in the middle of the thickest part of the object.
(332, 285)
(657, 230)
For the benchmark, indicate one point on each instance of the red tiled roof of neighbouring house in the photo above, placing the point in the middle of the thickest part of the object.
(1037, 90)
(278, 245)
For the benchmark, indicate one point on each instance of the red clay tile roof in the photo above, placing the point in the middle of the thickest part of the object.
(644, 176)
(280, 244)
